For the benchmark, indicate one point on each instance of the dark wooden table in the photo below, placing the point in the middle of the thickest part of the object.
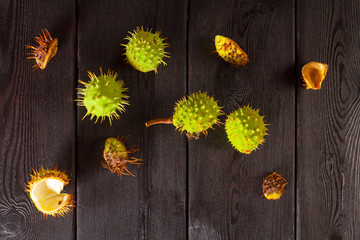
(200, 189)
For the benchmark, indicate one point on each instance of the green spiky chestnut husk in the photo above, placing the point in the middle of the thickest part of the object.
(195, 114)
(103, 96)
(245, 129)
(117, 156)
(145, 50)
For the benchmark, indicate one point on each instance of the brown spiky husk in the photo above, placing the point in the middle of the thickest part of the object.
(46, 50)
(118, 162)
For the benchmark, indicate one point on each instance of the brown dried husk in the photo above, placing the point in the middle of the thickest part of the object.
(118, 159)
(313, 74)
(273, 186)
(46, 50)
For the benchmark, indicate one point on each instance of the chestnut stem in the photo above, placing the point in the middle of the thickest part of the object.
(159, 121)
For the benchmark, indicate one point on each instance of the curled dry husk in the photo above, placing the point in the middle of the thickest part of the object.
(46, 50)
(313, 74)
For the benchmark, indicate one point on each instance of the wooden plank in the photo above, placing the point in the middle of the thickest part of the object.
(328, 119)
(37, 114)
(152, 204)
(225, 190)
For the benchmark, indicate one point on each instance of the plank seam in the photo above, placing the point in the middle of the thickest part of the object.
(296, 121)
(187, 142)
(76, 114)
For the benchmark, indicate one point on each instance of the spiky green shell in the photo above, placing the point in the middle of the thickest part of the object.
(195, 114)
(116, 156)
(103, 96)
(145, 50)
(245, 129)
(115, 148)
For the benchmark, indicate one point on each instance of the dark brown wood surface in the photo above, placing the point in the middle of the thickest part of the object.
(198, 189)
(225, 183)
(328, 146)
(152, 204)
(37, 114)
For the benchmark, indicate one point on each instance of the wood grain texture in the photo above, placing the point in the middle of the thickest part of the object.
(38, 121)
(37, 124)
(152, 204)
(225, 191)
(328, 122)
